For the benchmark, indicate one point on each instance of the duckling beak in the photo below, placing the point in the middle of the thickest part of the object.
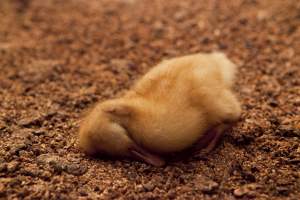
(150, 158)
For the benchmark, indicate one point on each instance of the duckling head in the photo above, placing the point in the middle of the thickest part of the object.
(104, 132)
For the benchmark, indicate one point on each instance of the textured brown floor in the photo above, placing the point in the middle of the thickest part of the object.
(58, 58)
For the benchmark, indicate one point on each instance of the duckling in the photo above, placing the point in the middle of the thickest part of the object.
(178, 103)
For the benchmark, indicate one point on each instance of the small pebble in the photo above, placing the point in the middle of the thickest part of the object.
(32, 171)
(12, 166)
(149, 186)
(39, 132)
(209, 186)
(82, 192)
(246, 190)
(45, 175)
(76, 169)
(139, 188)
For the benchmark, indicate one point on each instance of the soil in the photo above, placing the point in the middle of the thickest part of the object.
(58, 58)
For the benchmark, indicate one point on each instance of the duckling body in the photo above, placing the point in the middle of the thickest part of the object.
(167, 111)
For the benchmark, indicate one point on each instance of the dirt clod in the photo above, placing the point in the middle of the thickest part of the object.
(76, 169)
(246, 190)
(208, 186)
(12, 166)
(149, 187)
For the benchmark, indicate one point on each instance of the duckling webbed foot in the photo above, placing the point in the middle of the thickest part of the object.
(211, 138)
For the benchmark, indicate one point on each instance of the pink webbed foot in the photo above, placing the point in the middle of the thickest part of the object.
(211, 138)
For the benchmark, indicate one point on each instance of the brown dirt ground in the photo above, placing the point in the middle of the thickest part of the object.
(59, 57)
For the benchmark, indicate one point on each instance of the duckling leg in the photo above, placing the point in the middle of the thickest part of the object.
(218, 133)
(211, 139)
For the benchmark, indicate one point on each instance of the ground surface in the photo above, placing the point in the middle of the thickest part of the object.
(59, 57)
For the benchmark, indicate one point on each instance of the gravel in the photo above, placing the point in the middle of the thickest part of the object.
(58, 58)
